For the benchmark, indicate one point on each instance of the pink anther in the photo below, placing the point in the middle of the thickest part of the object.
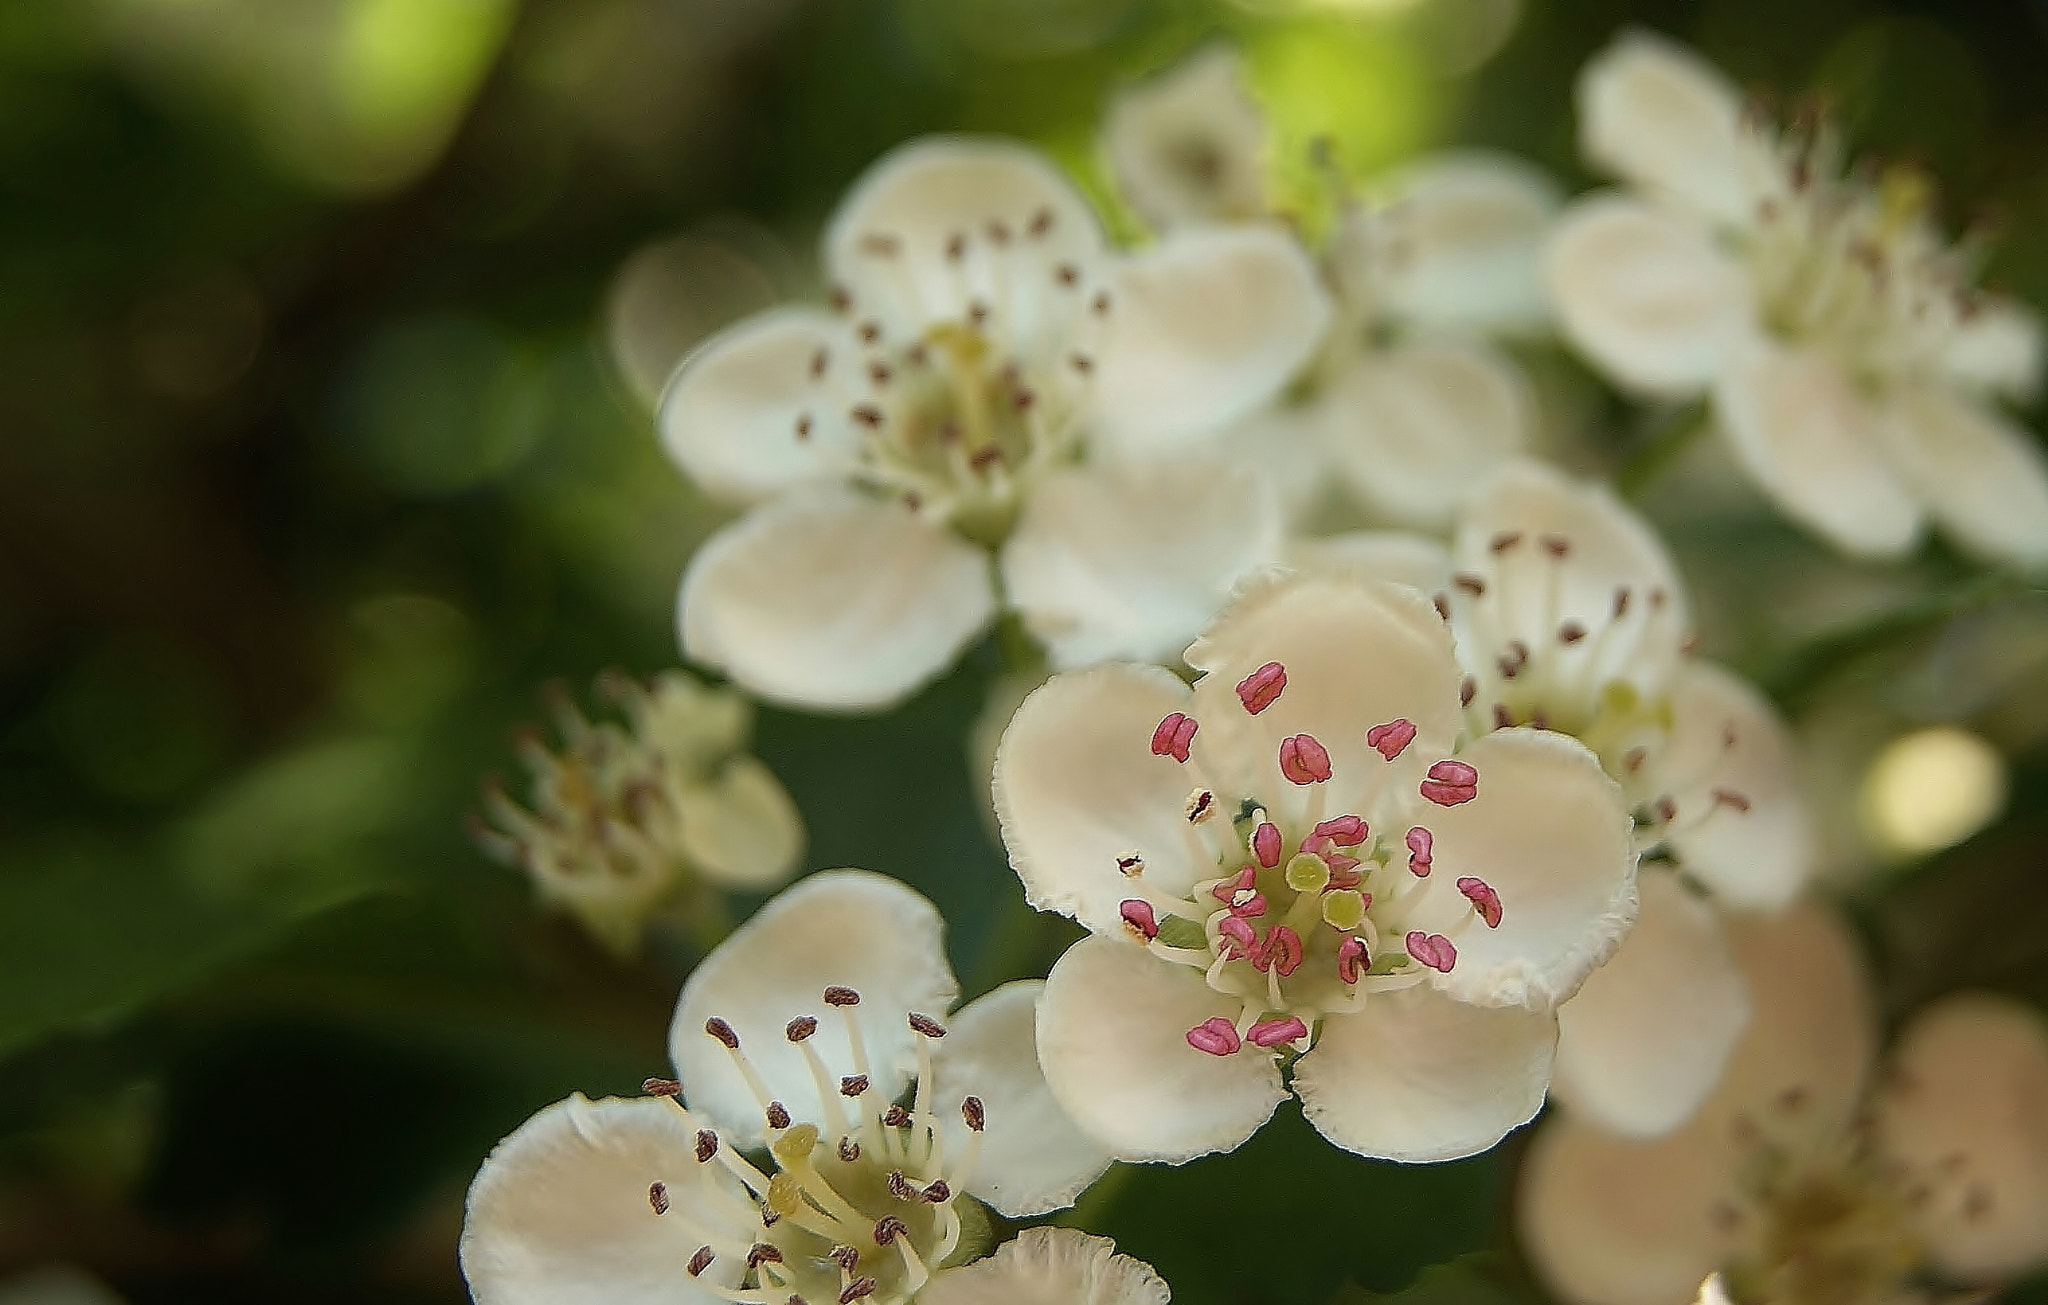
(1173, 737)
(1240, 937)
(1228, 888)
(1433, 950)
(1352, 959)
(1271, 1033)
(1303, 760)
(1266, 844)
(1451, 782)
(1262, 687)
(1340, 865)
(1247, 904)
(1344, 831)
(1215, 1035)
(1420, 843)
(1391, 739)
(1484, 900)
(1139, 918)
(1279, 950)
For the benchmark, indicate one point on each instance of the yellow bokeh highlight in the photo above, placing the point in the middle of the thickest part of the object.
(1932, 789)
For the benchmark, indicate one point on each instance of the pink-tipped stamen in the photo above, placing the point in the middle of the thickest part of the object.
(1420, 844)
(1266, 844)
(1391, 739)
(1484, 900)
(1271, 1033)
(1433, 950)
(1215, 1035)
(1303, 760)
(1352, 959)
(1280, 950)
(1344, 831)
(1174, 736)
(1226, 889)
(1261, 689)
(1139, 918)
(1240, 938)
(1450, 783)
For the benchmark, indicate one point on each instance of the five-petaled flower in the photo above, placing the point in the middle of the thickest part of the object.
(1850, 360)
(804, 1033)
(994, 379)
(1295, 866)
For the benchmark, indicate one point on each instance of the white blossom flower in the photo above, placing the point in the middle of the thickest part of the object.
(1051, 1266)
(1570, 615)
(629, 820)
(1295, 867)
(1406, 405)
(1850, 360)
(803, 1033)
(1798, 1183)
(990, 367)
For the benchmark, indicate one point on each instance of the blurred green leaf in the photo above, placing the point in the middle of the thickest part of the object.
(1468, 1280)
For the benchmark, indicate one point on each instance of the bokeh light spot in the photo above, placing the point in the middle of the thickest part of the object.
(1932, 789)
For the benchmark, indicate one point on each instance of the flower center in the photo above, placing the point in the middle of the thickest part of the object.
(860, 1203)
(1309, 912)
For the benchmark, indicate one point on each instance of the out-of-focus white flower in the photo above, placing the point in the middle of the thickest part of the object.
(1050, 1266)
(1797, 1182)
(1406, 404)
(1570, 615)
(1850, 359)
(799, 1037)
(1294, 863)
(624, 821)
(990, 366)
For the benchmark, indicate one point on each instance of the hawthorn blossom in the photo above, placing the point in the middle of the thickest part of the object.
(1301, 874)
(1571, 616)
(1405, 403)
(625, 821)
(1847, 353)
(832, 1136)
(1801, 1182)
(992, 378)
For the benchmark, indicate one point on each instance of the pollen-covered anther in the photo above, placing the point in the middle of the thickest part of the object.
(1467, 583)
(1139, 919)
(1450, 783)
(661, 1087)
(1174, 736)
(838, 996)
(1201, 806)
(761, 1253)
(846, 1257)
(721, 1030)
(901, 1187)
(1265, 844)
(937, 1192)
(803, 1026)
(1514, 661)
(1504, 541)
(1431, 949)
(1420, 844)
(1216, 1036)
(778, 1115)
(853, 1085)
(1468, 689)
(1271, 1033)
(707, 1145)
(888, 1229)
(1131, 865)
(1570, 632)
(895, 1117)
(657, 1197)
(849, 1150)
(974, 1113)
(1484, 900)
(1728, 797)
(700, 1261)
(1391, 739)
(1353, 959)
(1261, 689)
(1666, 809)
(858, 1289)
(925, 1025)
(1303, 760)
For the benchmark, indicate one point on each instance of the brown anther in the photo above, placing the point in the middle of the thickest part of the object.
(977, 312)
(1793, 1098)
(1442, 603)
(719, 1029)
(761, 1253)
(1022, 400)
(1690, 644)
(1658, 598)
(913, 501)
(1041, 222)
(700, 1261)
(880, 244)
(838, 996)
(1632, 760)
(803, 1026)
(1539, 719)
(870, 332)
(1132, 865)
(839, 299)
(1728, 797)
(1556, 545)
(857, 1289)
(819, 362)
(899, 1186)
(888, 1229)
(1081, 363)
(1066, 274)
(769, 1218)
(926, 1025)
(999, 231)
(845, 1257)
(938, 1192)
(949, 431)
(1570, 632)
(1667, 810)
(1505, 540)
(879, 373)
(895, 1117)
(1726, 1217)
(1467, 691)
(657, 1196)
(1502, 718)
(661, 1087)
(849, 1150)
(1100, 304)
(778, 1115)
(1201, 805)
(971, 1110)
(1621, 602)
(867, 414)
(803, 427)
(956, 246)
(853, 1085)
(707, 1145)
(1468, 583)
(1977, 1203)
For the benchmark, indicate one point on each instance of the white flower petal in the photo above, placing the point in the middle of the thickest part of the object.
(741, 828)
(1416, 426)
(1112, 1035)
(733, 416)
(1188, 144)
(1966, 1112)
(831, 600)
(1662, 117)
(1983, 478)
(1391, 555)
(1996, 347)
(1730, 757)
(1550, 833)
(560, 1214)
(1033, 1160)
(1469, 226)
(1203, 328)
(1050, 1266)
(846, 928)
(1077, 788)
(1803, 433)
(887, 245)
(1648, 1035)
(1284, 440)
(1419, 1077)
(1646, 294)
(1131, 561)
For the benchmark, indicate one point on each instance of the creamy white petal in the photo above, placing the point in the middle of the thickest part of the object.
(1418, 1077)
(1132, 560)
(732, 414)
(1032, 1158)
(1648, 1035)
(1285, 441)
(1996, 347)
(1112, 1035)
(844, 928)
(1550, 833)
(741, 828)
(1050, 1266)
(1017, 214)
(1965, 1110)
(1982, 477)
(1806, 436)
(1188, 144)
(1203, 328)
(560, 1214)
(1077, 788)
(1392, 555)
(1646, 294)
(1660, 116)
(1742, 826)
(829, 599)
(1469, 226)
(1417, 426)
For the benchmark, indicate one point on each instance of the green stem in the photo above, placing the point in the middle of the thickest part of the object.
(1660, 450)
